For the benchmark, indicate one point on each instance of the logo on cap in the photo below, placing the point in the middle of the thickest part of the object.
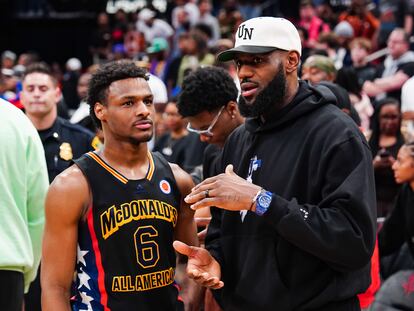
(244, 32)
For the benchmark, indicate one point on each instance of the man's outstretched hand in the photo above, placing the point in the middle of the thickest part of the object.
(201, 266)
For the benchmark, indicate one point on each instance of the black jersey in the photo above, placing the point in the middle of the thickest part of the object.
(125, 258)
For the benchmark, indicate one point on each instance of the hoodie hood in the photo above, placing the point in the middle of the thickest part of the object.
(307, 99)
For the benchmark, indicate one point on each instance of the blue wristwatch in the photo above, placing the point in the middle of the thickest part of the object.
(263, 200)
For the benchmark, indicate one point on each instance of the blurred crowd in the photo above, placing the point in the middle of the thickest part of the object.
(362, 50)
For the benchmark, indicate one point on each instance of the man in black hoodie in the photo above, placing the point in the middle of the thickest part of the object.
(298, 227)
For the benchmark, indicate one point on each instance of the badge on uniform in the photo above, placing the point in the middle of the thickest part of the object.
(66, 151)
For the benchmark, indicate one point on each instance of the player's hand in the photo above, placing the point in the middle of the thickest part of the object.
(201, 266)
(227, 191)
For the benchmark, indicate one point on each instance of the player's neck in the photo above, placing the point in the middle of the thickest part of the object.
(124, 154)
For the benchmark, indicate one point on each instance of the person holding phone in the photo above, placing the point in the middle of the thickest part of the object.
(385, 141)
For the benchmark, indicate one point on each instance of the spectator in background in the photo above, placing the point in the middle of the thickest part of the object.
(360, 48)
(101, 39)
(69, 84)
(178, 145)
(61, 140)
(385, 141)
(230, 67)
(250, 8)
(325, 12)
(134, 42)
(82, 115)
(229, 18)
(158, 57)
(394, 14)
(328, 43)
(28, 58)
(397, 69)
(398, 229)
(159, 92)
(181, 29)
(208, 19)
(319, 69)
(191, 9)
(173, 68)
(407, 109)
(153, 27)
(197, 55)
(23, 186)
(347, 78)
(345, 34)
(363, 22)
(118, 52)
(311, 22)
(120, 28)
(8, 59)
(10, 82)
(304, 36)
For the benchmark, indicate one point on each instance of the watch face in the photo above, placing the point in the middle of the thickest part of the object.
(264, 200)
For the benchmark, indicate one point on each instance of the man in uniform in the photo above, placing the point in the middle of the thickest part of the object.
(113, 216)
(61, 140)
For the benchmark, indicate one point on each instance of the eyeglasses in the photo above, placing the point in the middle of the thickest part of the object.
(206, 132)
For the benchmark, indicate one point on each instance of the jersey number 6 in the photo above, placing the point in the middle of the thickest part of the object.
(145, 246)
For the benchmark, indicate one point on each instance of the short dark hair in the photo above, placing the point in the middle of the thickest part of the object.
(388, 101)
(104, 76)
(410, 146)
(206, 89)
(40, 67)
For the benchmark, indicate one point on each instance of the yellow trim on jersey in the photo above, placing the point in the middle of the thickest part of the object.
(151, 166)
(121, 178)
(107, 167)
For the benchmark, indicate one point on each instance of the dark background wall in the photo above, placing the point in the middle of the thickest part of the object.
(56, 29)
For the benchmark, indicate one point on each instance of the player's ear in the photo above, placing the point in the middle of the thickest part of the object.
(100, 111)
(292, 61)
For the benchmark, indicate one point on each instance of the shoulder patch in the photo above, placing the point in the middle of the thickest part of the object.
(165, 186)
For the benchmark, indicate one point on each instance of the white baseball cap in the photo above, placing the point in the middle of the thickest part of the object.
(146, 14)
(73, 64)
(262, 35)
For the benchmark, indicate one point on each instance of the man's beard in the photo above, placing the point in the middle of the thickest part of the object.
(271, 98)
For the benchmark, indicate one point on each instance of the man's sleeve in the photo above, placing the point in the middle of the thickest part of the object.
(407, 95)
(407, 68)
(37, 185)
(341, 229)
